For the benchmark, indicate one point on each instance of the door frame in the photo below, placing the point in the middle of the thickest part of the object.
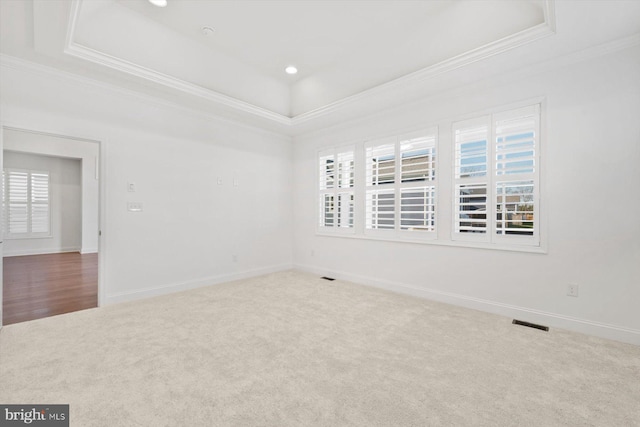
(101, 168)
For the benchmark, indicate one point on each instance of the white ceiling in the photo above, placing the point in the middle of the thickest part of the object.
(355, 56)
(268, 35)
(341, 48)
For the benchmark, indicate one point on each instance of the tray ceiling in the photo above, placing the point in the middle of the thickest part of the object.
(355, 58)
(343, 49)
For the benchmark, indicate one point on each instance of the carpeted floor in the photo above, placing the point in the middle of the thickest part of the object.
(291, 349)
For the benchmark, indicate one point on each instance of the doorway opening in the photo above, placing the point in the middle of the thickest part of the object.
(50, 221)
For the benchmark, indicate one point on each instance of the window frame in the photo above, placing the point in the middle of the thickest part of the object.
(397, 187)
(6, 228)
(491, 179)
(445, 191)
(336, 191)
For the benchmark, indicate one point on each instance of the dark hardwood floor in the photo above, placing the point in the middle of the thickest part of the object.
(37, 286)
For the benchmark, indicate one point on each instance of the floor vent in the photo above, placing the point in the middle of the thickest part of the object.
(328, 278)
(530, 325)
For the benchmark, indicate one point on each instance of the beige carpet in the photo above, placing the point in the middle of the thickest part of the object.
(290, 349)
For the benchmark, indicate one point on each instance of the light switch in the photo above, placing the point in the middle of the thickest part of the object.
(219, 181)
(134, 206)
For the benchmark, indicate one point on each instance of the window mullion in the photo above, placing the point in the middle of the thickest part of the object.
(491, 181)
(29, 203)
(397, 185)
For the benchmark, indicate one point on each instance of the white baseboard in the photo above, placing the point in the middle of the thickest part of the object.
(84, 251)
(613, 332)
(193, 284)
(7, 253)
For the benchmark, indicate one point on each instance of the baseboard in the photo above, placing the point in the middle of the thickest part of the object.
(84, 251)
(40, 251)
(587, 327)
(193, 284)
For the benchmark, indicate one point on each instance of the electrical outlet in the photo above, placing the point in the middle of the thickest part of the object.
(572, 290)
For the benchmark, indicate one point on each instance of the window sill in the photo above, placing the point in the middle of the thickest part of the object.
(433, 241)
(46, 236)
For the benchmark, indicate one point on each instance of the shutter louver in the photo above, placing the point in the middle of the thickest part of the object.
(471, 208)
(417, 208)
(515, 154)
(39, 202)
(418, 159)
(18, 212)
(26, 203)
(401, 183)
(515, 146)
(337, 180)
(471, 159)
(380, 206)
(497, 177)
(515, 205)
(471, 151)
(381, 165)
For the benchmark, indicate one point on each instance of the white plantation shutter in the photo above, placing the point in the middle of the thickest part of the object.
(327, 172)
(417, 209)
(418, 167)
(516, 174)
(26, 203)
(471, 149)
(380, 178)
(336, 186)
(18, 201)
(40, 202)
(471, 160)
(471, 208)
(401, 183)
(345, 210)
(496, 158)
(381, 167)
(380, 209)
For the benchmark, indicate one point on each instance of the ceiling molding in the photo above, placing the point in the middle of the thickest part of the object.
(467, 58)
(25, 66)
(96, 57)
(22, 65)
(79, 51)
(516, 40)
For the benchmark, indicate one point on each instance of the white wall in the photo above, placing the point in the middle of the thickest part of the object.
(191, 226)
(65, 189)
(87, 152)
(590, 174)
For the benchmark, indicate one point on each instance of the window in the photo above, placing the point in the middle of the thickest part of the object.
(401, 183)
(26, 203)
(497, 158)
(388, 187)
(337, 180)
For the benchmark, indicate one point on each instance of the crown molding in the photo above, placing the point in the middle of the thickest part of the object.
(462, 60)
(22, 65)
(25, 66)
(83, 52)
(527, 36)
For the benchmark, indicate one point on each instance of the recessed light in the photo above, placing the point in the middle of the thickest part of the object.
(159, 3)
(291, 70)
(207, 31)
